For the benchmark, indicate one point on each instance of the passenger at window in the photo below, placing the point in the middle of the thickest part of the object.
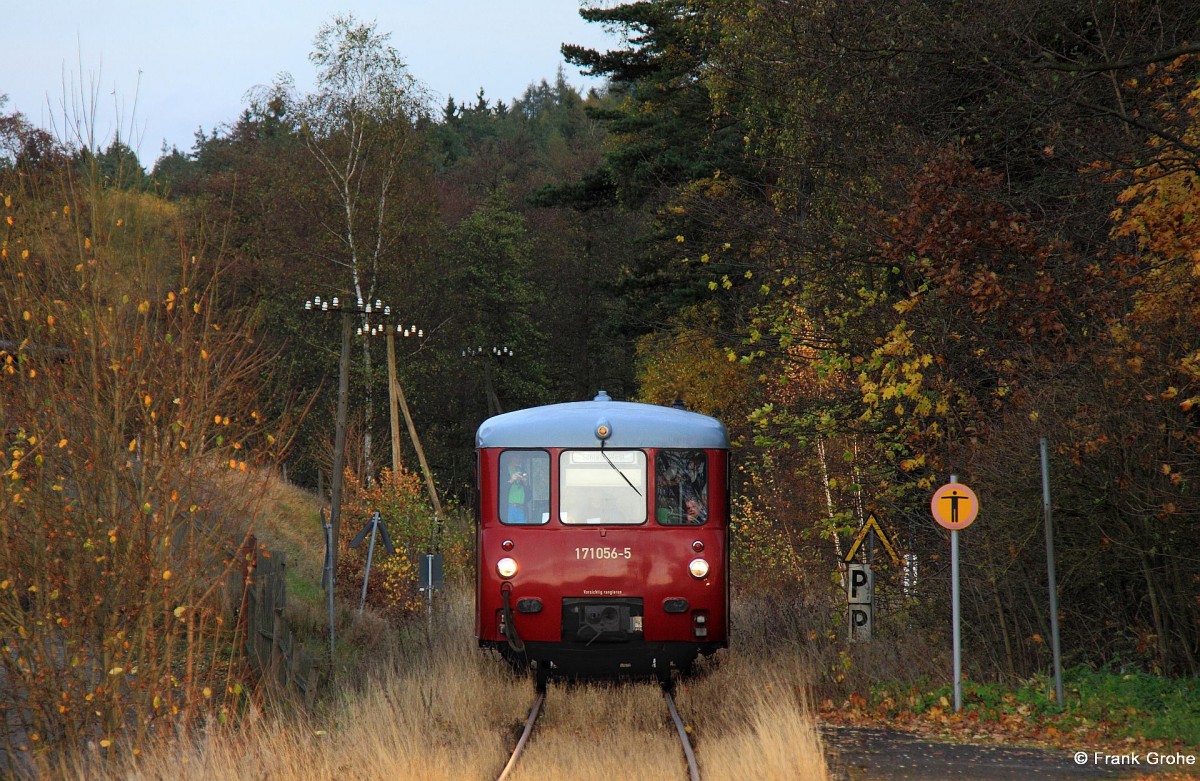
(518, 481)
(681, 487)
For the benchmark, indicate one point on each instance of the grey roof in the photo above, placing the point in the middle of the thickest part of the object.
(573, 424)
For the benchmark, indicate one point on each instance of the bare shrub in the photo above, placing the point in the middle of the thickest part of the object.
(125, 390)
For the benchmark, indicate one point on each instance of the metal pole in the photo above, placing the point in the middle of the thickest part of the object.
(370, 554)
(954, 614)
(1054, 640)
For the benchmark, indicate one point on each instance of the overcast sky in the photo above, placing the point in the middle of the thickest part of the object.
(160, 69)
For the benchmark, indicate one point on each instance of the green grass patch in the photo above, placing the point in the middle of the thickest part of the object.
(1135, 705)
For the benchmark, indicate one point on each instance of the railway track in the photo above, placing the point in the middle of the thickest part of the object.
(536, 710)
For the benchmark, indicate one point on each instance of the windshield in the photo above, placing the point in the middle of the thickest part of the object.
(607, 488)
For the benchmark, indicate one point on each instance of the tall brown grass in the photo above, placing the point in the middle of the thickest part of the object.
(752, 719)
(438, 708)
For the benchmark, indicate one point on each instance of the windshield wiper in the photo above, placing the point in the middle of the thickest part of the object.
(622, 474)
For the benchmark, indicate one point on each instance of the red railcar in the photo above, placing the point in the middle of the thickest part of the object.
(603, 544)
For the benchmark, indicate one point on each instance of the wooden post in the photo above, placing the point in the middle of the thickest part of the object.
(339, 440)
(490, 389)
(248, 561)
(393, 402)
(412, 432)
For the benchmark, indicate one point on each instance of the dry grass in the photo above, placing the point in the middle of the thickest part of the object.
(440, 709)
(292, 523)
(751, 719)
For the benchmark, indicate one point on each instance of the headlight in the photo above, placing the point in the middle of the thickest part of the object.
(698, 568)
(508, 567)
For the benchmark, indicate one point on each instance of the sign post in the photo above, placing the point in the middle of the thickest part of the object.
(1055, 648)
(872, 525)
(429, 576)
(954, 507)
(860, 584)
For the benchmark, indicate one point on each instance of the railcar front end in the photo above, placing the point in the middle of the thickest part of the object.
(603, 538)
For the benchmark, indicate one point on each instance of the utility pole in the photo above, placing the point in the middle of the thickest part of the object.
(393, 402)
(339, 438)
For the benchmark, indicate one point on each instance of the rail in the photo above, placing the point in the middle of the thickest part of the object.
(535, 711)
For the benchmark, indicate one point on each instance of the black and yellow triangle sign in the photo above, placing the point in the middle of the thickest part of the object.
(872, 525)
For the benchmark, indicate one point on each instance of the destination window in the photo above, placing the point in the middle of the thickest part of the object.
(602, 487)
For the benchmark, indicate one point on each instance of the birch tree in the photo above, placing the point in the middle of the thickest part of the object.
(358, 123)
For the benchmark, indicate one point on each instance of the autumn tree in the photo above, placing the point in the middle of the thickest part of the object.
(1144, 425)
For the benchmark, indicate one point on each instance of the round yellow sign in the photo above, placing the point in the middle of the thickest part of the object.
(954, 506)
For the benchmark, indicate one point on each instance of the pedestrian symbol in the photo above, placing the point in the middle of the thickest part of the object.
(954, 506)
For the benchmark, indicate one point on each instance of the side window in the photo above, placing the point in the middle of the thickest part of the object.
(524, 486)
(681, 487)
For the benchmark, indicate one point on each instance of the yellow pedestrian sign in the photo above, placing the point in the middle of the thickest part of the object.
(954, 506)
(872, 525)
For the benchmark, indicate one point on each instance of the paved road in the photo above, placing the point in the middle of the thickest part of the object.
(866, 754)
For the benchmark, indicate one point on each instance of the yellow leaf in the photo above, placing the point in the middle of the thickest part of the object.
(132, 444)
(143, 307)
(166, 574)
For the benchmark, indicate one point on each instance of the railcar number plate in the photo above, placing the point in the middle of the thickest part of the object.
(603, 553)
